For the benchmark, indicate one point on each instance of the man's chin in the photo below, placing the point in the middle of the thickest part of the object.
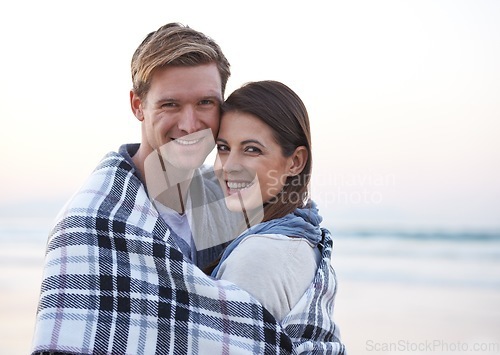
(186, 162)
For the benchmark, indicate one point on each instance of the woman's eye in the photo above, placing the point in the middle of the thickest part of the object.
(222, 148)
(253, 150)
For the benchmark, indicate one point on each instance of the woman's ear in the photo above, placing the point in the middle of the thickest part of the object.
(297, 161)
(136, 105)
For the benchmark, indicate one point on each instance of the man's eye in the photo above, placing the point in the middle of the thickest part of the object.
(206, 102)
(168, 104)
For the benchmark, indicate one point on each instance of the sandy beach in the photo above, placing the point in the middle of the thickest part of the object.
(375, 318)
(18, 301)
(390, 318)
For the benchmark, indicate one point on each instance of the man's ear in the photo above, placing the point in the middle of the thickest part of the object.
(136, 106)
(297, 161)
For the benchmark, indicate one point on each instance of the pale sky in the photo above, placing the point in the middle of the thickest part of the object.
(403, 97)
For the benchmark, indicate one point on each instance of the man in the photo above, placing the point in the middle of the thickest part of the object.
(179, 77)
(121, 273)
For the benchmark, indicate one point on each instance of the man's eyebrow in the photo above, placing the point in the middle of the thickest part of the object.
(212, 97)
(165, 99)
(205, 97)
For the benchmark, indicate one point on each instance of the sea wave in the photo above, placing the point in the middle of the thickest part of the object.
(450, 235)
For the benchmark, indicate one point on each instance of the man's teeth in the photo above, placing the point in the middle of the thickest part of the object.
(238, 185)
(186, 142)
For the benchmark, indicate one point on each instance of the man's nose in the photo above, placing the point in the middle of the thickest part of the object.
(189, 122)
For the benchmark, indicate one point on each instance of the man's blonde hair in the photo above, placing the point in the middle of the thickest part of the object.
(174, 45)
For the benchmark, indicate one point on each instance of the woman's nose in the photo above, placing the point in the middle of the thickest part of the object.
(230, 163)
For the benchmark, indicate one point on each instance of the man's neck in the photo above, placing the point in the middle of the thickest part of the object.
(164, 182)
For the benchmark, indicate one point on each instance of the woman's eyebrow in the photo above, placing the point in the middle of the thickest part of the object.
(247, 141)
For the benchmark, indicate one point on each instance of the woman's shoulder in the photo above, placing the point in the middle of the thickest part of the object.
(276, 244)
(275, 268)
(277, 240)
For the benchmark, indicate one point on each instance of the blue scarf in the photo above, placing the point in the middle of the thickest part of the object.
(303, 223)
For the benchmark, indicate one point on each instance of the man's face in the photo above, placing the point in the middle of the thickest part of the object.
(181, 114)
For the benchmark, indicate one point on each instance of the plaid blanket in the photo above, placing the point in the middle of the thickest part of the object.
(310, 324)
(115, 282)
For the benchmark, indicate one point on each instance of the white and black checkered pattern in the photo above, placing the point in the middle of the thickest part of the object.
(115, 283)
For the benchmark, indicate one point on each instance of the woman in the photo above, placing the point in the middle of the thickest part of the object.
(264, 167)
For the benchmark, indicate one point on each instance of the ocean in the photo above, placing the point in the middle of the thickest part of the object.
(426, 257)
(405, 256)
(22, 249)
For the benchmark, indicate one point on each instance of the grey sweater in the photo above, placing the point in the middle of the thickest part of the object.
(274, 268)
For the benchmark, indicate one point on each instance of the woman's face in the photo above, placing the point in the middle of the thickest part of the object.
(250, 165)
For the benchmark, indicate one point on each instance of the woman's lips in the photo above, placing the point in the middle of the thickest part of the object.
(236, 186)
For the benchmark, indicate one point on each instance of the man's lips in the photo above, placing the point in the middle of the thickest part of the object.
(185, 142)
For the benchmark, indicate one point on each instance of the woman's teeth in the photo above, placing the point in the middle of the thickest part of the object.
(238, 185)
